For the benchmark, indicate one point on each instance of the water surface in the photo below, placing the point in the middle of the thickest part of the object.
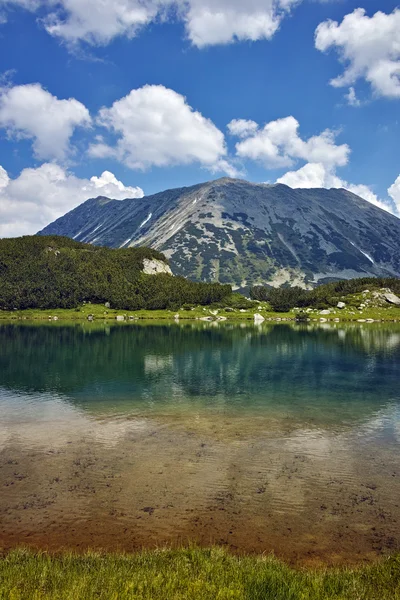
(273, 438)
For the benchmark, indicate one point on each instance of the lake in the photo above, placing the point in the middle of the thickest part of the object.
(277, 438)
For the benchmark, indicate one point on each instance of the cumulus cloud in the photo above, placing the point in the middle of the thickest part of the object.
(157, 127)
(207, 22)
(242, 128)
(39, 196)
(317, 175)
(311, 175)
(394, 193)
(29, 111)
(368, 46)
(223, 21)
(98, 22)
(278, 144)
(108, 185)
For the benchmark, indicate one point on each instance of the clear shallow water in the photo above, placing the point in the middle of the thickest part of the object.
(264, 438)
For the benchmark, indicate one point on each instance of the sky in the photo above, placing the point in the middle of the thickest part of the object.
(125, 98)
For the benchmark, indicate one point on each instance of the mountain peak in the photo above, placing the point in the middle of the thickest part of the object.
(236, 180)
(224, 180)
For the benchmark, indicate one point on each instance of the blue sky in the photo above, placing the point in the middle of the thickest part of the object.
(166, 93)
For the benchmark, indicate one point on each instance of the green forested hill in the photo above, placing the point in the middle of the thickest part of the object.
(57, 272)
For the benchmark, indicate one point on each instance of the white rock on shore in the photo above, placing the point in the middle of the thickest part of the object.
(392, 298)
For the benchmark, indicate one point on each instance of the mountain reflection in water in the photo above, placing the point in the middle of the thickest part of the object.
(323, 373)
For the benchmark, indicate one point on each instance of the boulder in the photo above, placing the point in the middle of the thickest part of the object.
(325, 312)
(392, 298)
(258, 318)
(341, 305)
(120, 318)
(155, 267)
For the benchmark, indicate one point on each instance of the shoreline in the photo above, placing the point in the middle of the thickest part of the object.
(259, 315)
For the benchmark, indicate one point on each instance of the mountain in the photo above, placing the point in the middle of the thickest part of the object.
(57, 272)
(245, 234)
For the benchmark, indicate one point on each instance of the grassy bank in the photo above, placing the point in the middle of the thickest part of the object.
(191, 574)
(99, 312)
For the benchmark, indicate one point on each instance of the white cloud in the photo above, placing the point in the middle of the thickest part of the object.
(30, 5)
(242, 128)
(108, 185)
(27, 4)
(316, 175)
(156, 127)
(29, 111)
(394, 192)
(368, 46)
(38, 196)
(224, 21)
(312, 175)
(278, 144)
(99, 21)
(207, 22)
(224, 166)
(351, 97)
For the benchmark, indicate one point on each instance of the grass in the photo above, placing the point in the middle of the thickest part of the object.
(358, 306)
(99, 312)
(190, 574)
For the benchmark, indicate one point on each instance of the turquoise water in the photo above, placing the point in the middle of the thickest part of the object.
(275, 438)
(326, 374)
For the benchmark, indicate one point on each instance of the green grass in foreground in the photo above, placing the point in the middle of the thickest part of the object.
(191, 574)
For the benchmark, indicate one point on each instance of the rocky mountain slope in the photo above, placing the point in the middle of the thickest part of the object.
(245, 234)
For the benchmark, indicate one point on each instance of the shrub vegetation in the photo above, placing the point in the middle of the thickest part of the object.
(323, 296)
(57, 272)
